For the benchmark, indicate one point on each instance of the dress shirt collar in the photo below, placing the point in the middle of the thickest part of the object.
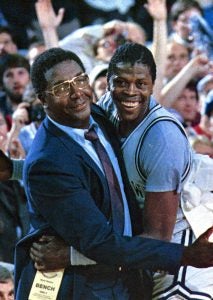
(75, 133)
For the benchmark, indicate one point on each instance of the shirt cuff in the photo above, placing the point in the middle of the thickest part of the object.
(78, 259)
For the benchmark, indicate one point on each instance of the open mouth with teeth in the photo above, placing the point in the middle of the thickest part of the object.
(130, 104)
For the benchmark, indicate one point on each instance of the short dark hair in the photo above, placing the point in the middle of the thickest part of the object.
(9, 61)
(181, 6)
(46, 61)
(192, 86)
(132, 53)
(9, 31)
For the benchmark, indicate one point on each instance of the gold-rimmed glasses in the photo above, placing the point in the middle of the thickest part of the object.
(63, 89)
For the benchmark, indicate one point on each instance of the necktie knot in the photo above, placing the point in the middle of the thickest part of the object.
(91, 135)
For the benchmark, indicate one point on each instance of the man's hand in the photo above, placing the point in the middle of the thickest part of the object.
(50, 253)
(200, 253)
(16, 149)
(6, 167)
(157, 9)
(200, 66)
(20, 116)
(46, 14)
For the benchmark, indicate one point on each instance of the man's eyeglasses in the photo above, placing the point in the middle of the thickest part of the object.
(63, 89)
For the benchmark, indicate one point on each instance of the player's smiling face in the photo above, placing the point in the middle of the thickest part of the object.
(131, 87)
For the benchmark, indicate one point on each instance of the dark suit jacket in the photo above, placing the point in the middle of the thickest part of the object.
(68, 195)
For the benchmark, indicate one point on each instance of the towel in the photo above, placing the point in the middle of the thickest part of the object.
(197, 195)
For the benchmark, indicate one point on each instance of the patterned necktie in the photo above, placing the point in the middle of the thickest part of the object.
(113, 184)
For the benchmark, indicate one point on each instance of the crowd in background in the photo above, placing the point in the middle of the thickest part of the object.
(179, 34)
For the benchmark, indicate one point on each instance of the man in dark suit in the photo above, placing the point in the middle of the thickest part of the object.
(69, 195)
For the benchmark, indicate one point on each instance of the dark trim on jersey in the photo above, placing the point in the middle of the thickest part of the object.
(178, 287)
(139, 146)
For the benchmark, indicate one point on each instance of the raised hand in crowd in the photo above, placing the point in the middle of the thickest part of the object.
(19, 119)
(46, 14)
(129, 30)
(157, 9)
(9, 142)
(197, 67)
(15, 149)
(49, 21)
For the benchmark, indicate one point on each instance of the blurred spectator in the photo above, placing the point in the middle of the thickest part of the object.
(7, 41)
(205, 127)
(25, 121)
(6, 284)
(197, 67)
(190, 28)
(98, 80)
(14, 76)
(204, 86)
(117, 33)
(97, 43)
(35, 115)
(34, 50)
(105, 47)
(202, 36)
(187, 105)
(14, 219)
(177, 56)
(8, 142)
(180, 14)
(201, 144)
(19, 15)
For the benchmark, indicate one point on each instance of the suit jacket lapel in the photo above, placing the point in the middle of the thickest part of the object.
(79, 151)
